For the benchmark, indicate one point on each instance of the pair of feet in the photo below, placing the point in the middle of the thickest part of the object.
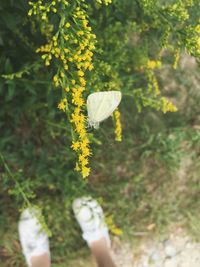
(89, 215)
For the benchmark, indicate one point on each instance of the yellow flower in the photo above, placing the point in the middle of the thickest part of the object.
(66, 50)
(66, 67)
(54, 10)
(66, 37)
(67, 25)
(55, 78)
(62, 105)
(78, 101)
(75, 145)
(79, 33)
(83, 144)
(75, 118)
(112, 227)
(80, 128)
(116, 231)
(152, 64)
(73, 82)
(86, 151)
(84, 162)
(85, 172)
(81, 157)
(85, 23)
(167, 106)
(91, 67)
(80, 73)
(82, 133)
(82, 81)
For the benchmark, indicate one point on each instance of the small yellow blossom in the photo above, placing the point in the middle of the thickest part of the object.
(75, 145)
(47, 63)
(66, 50)
(79, 33)
(167, 105)
(62, 105)
(152, 64)
(55, 78)
(112, 227)
(91, 67)
(73, 82)
(80, 73)
(85, 171)
(84, 162)
(82, 81)
(67, 25)
(86, 151)
(66, 37)
(66, 67)
(54, 10)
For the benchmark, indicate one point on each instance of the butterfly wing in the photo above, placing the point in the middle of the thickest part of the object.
(100, 105)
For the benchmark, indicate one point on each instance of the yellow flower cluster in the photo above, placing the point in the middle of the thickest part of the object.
(70, 49)
(167, 105)
(106, 2)
(153, 84)
(43, 9)
(112, 227)
(63, 104)
(153, 64)
(81, 144)
(179, 10)
(82, 58)
(118, 127)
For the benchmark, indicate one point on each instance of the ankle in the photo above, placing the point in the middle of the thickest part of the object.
(41, 260)
(101, 252)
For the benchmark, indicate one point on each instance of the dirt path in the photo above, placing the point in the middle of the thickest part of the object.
(173, 250)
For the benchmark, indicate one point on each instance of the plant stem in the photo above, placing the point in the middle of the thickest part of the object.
(14, 179)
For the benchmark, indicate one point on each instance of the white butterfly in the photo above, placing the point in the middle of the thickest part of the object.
(100, 106)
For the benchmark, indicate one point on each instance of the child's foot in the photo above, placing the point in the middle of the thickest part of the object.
(33, 239)
(90, 216)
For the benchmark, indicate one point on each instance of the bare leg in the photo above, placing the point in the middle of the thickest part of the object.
(101, 253)
(41, 261)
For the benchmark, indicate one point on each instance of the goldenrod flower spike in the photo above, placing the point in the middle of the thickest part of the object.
(118, 127)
